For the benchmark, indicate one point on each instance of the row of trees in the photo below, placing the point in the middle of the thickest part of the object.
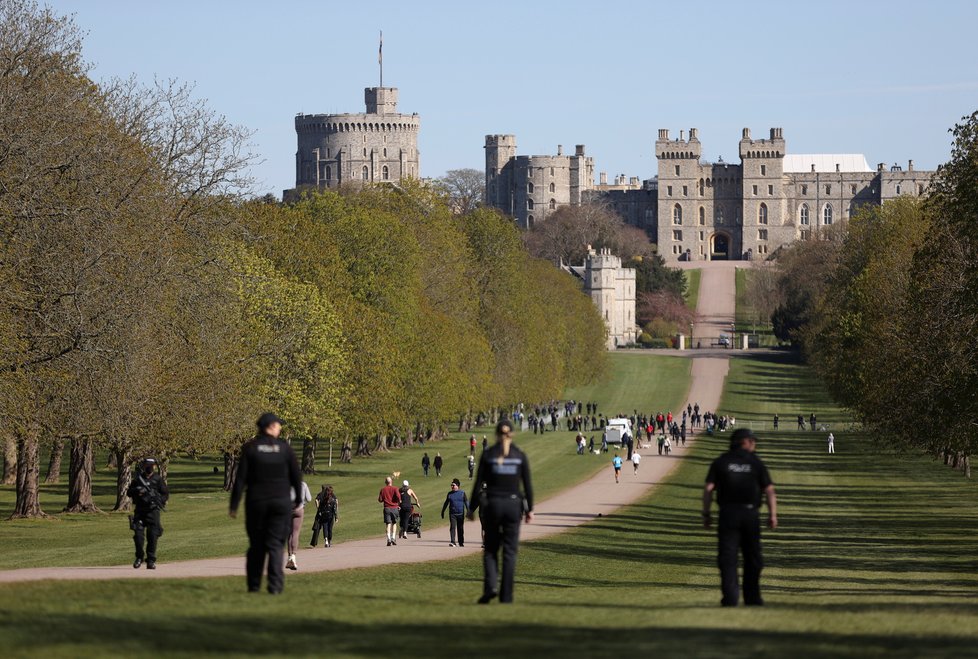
(888, 314)
(147, 308)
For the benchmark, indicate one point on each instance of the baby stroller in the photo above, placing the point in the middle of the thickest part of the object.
(414, 523)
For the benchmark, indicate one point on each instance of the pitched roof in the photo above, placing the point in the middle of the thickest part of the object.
(825, 162)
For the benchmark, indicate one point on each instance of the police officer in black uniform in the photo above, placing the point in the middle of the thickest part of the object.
(503, 468)
(269, 470)
(150, 494)
(739, 477)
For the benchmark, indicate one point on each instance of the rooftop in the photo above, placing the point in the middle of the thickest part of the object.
(825, 162)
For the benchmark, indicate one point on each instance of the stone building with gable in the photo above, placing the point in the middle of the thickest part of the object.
(375, 146)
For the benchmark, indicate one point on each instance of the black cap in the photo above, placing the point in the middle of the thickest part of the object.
(456, 481)
(503, 423)
(267, 419)
(149, 461)
(739, 435)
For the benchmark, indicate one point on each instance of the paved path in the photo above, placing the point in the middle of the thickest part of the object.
(572, 507)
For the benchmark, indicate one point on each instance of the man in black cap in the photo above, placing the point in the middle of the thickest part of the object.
(269, 470)
(149, 494)
(739, 477)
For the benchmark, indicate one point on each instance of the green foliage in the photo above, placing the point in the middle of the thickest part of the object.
(661, 329)
(653, 275)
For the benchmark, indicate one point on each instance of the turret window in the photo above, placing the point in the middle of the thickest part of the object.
(366, 173)
(553, 204)
(529, 204)
(385, 173)
(677, 214)
(803, 215)
(762, 214)
(529, 188)
(553, 188)
(719, 216)
(827, 214)
(702, 215)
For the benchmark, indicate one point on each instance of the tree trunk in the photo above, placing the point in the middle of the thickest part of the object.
(309, 456)
(54, 463)
(363, 448)
(230, 470)
(380, 443)
(80, 466)
(9, 461)
(967, 466)
(113, 461)
(346, 453)
(28, 474)
(124, 464)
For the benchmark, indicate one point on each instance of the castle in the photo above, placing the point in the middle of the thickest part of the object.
(370, 147)
(698, 210)
(612, 289)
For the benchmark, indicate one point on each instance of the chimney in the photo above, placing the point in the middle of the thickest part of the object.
(837, 167)
(560, 149)
(663, 133)
(634, 181)
(910, 165)
(880, 167)
(603, 178)
(746, 134)
(813, 168)
(682, 135)
(579, 150)
(692, 134)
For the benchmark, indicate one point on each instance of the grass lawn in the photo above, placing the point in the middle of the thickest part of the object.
(196, 522)
(692, 288)
(746, 319)
(875, 556)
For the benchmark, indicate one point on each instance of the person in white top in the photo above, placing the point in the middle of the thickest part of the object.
(831, 443)
(297, 516)
(636, 459)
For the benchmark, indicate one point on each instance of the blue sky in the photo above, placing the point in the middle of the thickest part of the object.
(886, 79)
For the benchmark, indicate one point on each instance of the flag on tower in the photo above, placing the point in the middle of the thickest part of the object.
(380, 52)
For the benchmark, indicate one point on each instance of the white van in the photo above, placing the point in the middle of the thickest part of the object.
(616, 429)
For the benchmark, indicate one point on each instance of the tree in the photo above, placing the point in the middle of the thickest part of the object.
(567, 233)
(465, 189)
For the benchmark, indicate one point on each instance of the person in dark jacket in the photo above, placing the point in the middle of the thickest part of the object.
(267, 470)
(438, 464)
(458, 507)
(327, 513)
(425, 463)
(503, 468)
(149, 494)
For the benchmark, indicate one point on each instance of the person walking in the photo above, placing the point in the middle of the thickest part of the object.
(636, 459)
(439, 463)
(298, 513)
(391, 500)
(149, 494)
(408, 501)
(801, 422)
(327, 514)
(471, 465)
(267, 469)
(776, 420)
(811, 420)
(458, 507)
(831, 443)
(739, 478)
(503, 469)
(616, 463)
(425, 464)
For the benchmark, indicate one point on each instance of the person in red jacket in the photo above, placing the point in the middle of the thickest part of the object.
(391, 498)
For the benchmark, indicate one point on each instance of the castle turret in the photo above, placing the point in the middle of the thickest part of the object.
(500, 151)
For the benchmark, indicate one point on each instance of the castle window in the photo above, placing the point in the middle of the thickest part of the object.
(327, 152)
(677, 170)
(770, 190)
(920, 189)
(763, 170)
(364, 151)
(701, 187)
(719, 216)
(529, 204)
(677, 235)
(553, 188)
(828, 189)
(702, 235)
(677, 214)
(827, 214)
(366, 173)
(852, 188)
(551, 171)
(553, 204)
(702, 215)
(685, 190)
(762, 234)
(806, 235)
(898, 188)
(329, 172)
(529, 188)
(385, 151)
(385, 173)
(529, 221)
(804, 189)
(803, 215)
(753, 190)
(762, 214)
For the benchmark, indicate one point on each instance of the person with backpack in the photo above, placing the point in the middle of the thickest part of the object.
(327, 513)
(149, 493)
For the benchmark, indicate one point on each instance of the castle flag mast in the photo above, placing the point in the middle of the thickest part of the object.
(380, 58)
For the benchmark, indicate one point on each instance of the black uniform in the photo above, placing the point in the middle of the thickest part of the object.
(740, 478)
(149, 494)
(268, 469)
(502, 510)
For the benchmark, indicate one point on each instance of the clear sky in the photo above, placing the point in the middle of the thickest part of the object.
(882, 78)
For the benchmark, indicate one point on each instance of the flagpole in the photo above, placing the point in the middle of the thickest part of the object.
(380, 58)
